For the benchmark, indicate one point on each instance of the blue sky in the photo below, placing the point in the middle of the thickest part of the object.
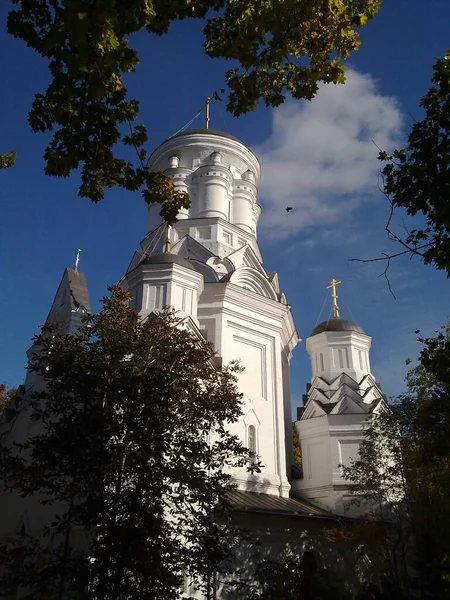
(318, 158)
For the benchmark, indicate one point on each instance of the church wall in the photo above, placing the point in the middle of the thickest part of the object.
(262, 404)
(271, 534)
(327, 442)
(287, 407)
(247, 327)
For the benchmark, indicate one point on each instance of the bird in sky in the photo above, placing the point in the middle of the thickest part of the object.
(289, 208)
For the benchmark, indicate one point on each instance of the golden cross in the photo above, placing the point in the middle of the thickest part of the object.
(332, 286)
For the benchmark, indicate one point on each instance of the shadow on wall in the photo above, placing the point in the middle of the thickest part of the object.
(290, 562)
(289, 557)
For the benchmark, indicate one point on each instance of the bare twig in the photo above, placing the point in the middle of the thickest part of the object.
(404, 227)
(130, 125)
(388, 264)
(376, 145)
(385, 256)
(408, 249)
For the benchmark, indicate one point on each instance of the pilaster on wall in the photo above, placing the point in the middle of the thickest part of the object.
(154, 286)
(259, 332)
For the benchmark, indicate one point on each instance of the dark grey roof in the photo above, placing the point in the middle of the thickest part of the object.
(266, 503)
(72, 293)
(337, 325)
(78, 290)
(165, 258)
(205, 131)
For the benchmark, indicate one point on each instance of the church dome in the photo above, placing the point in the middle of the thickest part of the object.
(164, 258)
(337, 325)
(206, 132)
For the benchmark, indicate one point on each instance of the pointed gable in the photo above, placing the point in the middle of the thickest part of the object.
(344, 379)
(250, 279)
(379, 406)
(346, 392)
(312, 410)
(190, 249)
(348, 406)
(319, 394)
(246, 257)
(274, 281)
(154, 240)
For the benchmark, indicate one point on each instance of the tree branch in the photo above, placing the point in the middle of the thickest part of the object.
(392, 236)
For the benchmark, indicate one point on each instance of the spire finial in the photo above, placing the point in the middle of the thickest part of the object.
(332, 286)
(167, 244)
(77, 260)
(215, 96)
(208, 102)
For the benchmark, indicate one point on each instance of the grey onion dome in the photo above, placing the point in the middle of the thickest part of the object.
(337, 325)
(165, 258)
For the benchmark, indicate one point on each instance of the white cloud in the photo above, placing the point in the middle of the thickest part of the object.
(320, 158)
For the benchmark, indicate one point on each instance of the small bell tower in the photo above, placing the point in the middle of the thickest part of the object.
(339, 402)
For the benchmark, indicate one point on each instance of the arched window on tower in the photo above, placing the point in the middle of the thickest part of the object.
(251, 438)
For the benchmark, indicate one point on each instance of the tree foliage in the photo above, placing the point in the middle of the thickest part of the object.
(295, 575)
(417, 177)
(7, 160)
(275, 51)
(6, 396)
(403, 477)
(129, 460)
(297, 451)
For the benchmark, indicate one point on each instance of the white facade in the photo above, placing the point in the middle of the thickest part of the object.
(215, 262)
(332, 354)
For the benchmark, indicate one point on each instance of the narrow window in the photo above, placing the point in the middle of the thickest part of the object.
(317, 364)
(346, 358)
(360, 360)
(341, 360)
(321, 362)
(252, 438)
(158, 297)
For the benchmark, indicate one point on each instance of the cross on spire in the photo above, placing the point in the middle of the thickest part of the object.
(334, 283)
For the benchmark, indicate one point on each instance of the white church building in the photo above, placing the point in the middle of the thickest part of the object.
(209, 268)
